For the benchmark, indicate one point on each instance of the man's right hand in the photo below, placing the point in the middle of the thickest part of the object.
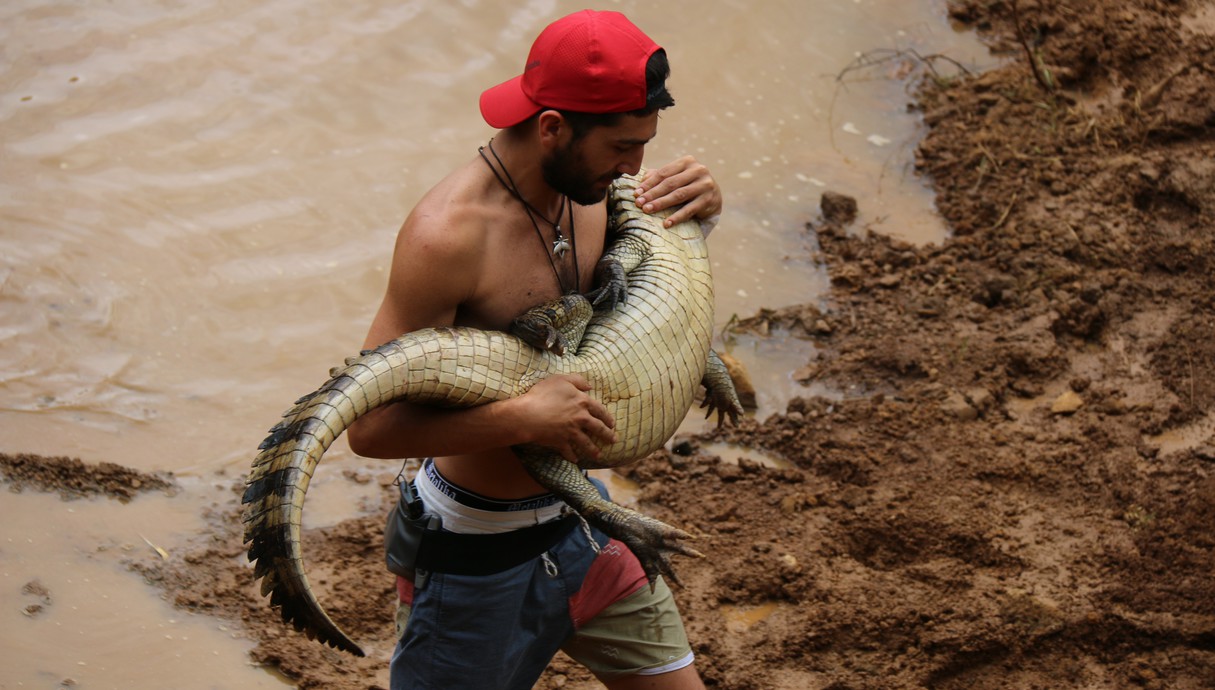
(565, 418)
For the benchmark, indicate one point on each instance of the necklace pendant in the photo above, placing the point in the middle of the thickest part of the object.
(560, 247)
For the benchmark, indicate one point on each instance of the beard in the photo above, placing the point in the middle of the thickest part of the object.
(567, 173)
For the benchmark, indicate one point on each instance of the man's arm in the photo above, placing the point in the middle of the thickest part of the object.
(434, 269)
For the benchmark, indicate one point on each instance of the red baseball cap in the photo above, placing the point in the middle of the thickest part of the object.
(589, 62)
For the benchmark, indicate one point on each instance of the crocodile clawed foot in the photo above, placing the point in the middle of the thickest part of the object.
(653, 542)
(613, 285)
(537, 330)
(720, 394)
(724, 406)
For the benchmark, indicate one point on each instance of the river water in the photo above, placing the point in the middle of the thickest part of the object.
(197, 207)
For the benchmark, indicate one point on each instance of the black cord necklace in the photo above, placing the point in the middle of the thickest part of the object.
(560, 245)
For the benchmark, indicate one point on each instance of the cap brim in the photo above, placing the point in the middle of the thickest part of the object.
(505, 105)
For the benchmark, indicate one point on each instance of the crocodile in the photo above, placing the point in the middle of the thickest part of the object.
(641, 338)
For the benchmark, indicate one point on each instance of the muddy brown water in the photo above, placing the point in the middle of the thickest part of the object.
(197, 208)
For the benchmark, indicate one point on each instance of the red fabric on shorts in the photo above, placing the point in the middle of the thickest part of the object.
(615, 574)
(405, 591)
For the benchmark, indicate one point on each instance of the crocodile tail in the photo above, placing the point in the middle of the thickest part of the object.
(423, 366)
(274, 498)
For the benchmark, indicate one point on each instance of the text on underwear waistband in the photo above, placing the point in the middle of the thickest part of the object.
(474, 500)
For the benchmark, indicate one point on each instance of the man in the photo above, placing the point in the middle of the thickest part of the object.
(521, 223)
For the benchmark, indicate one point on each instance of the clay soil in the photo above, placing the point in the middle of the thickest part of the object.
(1013, 486)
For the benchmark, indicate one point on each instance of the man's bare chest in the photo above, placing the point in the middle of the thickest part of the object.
(524, 277)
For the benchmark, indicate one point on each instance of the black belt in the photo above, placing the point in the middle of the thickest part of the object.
(415, 543)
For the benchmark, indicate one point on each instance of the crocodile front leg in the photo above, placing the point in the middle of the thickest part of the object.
(652, 541)
(554, 325)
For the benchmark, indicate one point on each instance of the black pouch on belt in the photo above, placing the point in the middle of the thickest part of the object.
(415, 544)
(404, 532)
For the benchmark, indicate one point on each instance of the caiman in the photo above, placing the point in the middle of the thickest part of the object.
(645, 354)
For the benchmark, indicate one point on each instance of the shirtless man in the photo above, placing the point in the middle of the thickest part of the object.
(519, 224)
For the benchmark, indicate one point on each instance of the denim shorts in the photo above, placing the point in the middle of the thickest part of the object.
(485, 632)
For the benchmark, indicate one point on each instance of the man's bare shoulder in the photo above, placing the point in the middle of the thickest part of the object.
(437, 262)
(451, 219)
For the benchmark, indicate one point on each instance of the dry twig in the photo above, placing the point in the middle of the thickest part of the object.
(1040, 74)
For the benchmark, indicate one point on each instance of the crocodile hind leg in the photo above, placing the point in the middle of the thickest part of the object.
(652, 541)
(720, 396)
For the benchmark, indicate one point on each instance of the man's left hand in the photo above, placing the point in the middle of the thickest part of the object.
(682, 181)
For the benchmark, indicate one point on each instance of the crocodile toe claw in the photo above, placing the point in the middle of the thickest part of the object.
(653, 542)
(540, 334)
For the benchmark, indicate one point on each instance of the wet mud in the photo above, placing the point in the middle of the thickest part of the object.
(73, 478)
(1012, 487)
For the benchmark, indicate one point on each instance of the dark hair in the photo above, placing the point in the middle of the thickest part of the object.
(657, 97)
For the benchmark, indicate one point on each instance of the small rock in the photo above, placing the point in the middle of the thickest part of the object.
(838, 208)
(792, 504)
(728, 472)
(891, 280)
(852, 497)
(955, 404)
(1114, 406)
(928, 309)
(980, 397)
(789, 562)
(848, 275)
(805, 374)
(727, 513)
(1067, 403)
